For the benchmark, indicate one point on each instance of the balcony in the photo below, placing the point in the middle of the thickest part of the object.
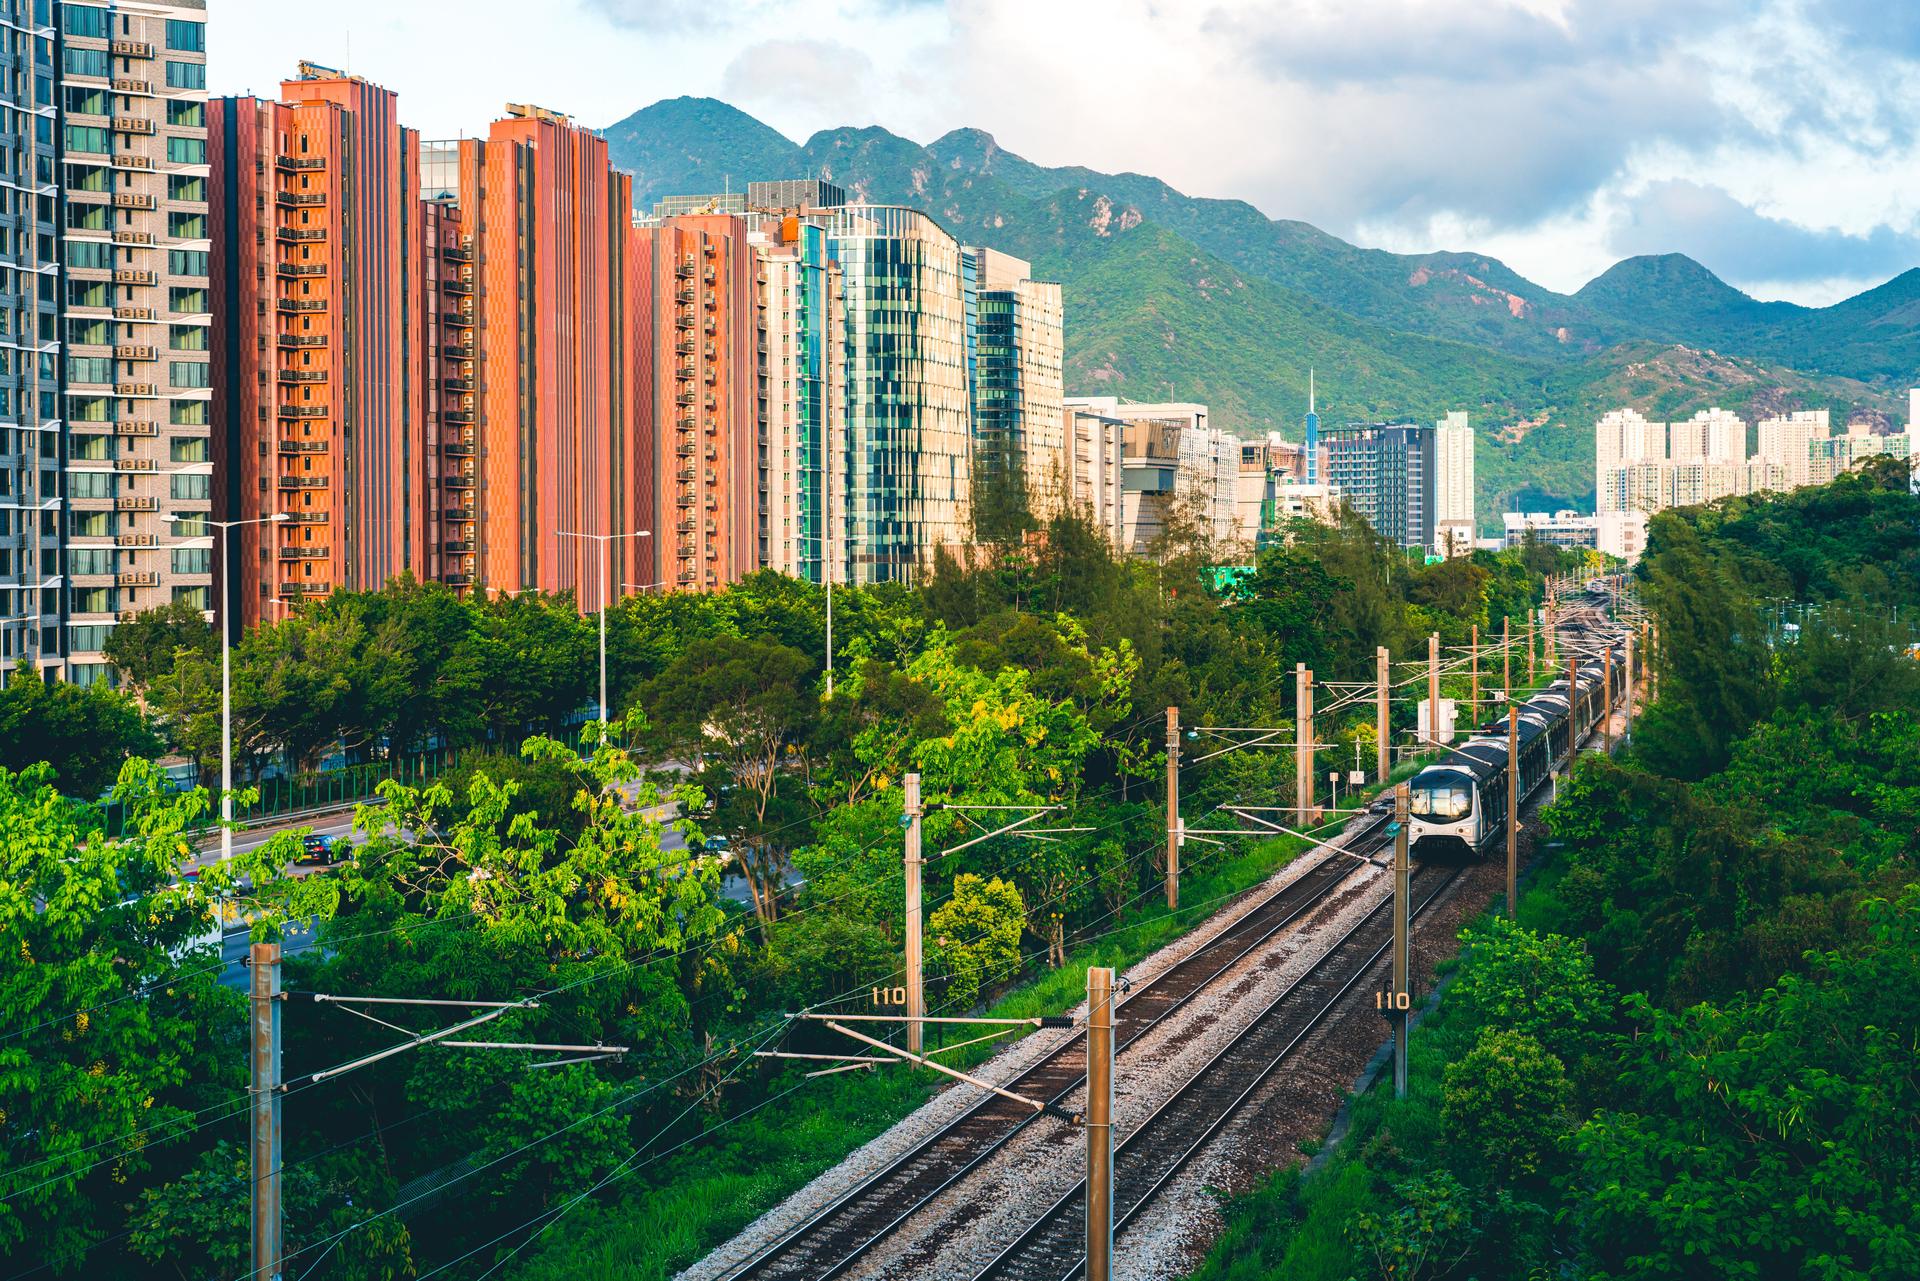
(464, 417)
(295, 270)
(685, 526)
(135, 504)
(308, 517)
(684, 347)
(132, 49)
(134, 200)
(128, 160)
(464, 386)
(134, 428)
(294, 306)
(299, 199)
(457, 482)
(684, 270)
(303, 482)
(302, 340)
(457, 546)
(457, 351)
(684, 398)
(134, 124)
(303, 446)
(461, 515)
(685, 475)
(299, 235)
(132, 84)
(133, 238)
(686, 450)
(302, 411)
(136, 578)
(304, 552)
(299, 164)
(459, 580)
(135, 351)
(457, 255)
(136, 540)
(457, 287)
(461, 450)
(683, 295)
(135, 389)
(134, 276)
(303, 375)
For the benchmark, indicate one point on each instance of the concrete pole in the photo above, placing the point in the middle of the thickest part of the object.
(1628, 727)
(1506, 657)
(1099, 1123)
(264, 1054)
(1606, 698)
(1575, 729)
(1402, 886)
(1513, 807)
(1531, 675)
(1473, 700)
(916, 1001)
(1382, 750)
(1302, 751)
(1433, 688)
(1173, 809)
(226, 700)
(605, 592)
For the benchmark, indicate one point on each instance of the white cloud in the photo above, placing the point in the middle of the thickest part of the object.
(1529, 129)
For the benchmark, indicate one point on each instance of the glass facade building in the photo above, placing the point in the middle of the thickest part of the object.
(905, 460)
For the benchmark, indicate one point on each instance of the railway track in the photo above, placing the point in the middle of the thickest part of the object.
(841, 1234)
(1053, 1247)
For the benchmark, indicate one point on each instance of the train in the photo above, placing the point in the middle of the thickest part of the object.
(1458, 808)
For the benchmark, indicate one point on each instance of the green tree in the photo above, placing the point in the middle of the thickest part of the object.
(84, 733)
(143, 648)
(1507, 1102)
(746, 705)
(1425, 1236)
(975, 937)
(122, 1044)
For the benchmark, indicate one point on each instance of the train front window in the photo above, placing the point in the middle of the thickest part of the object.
(1442, 802)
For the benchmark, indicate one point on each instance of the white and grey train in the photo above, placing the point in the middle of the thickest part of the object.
(1458, 806)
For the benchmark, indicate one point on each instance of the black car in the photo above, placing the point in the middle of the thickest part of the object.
(315, 850)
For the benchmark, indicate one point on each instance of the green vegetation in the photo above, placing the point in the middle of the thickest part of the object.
(1035, 678)
(1693, 1056)
(1231, 307)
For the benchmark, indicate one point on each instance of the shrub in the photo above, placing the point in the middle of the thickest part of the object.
(1506, 1103)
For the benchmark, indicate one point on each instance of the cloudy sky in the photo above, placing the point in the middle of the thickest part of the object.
(1777, 141)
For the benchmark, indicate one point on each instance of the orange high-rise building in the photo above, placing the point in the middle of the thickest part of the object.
(552, 370)
(322, 300)
(701, 337)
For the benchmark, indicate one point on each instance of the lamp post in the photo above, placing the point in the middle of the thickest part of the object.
(226, 666)
(603, 540)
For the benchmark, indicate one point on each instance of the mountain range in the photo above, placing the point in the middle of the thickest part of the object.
(1214, 301)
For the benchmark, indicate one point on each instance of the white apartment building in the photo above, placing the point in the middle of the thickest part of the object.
(1453, 486)
(1622, 534)
(1642, 466)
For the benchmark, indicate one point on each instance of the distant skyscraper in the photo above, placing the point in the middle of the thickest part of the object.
(1385, 471)
(1453, 518)
(1312, 443)
(906, 461)
(1015, 361)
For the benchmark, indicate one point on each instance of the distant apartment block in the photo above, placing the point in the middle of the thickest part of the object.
(1453, 521)
(1643, 466)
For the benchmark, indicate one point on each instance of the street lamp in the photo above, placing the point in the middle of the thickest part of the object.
(226, 666)
(603, 540)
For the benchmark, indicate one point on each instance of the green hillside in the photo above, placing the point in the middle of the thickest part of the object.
(1232, 307)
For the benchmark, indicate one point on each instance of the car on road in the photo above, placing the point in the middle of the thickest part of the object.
(717, 845)
(315, 851)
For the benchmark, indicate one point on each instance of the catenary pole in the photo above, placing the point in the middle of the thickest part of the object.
(264, 1105)
(1473, 700)
(1433, 689)
(1302, 744)
(1506, 657)
(1099, 1123)
(1606, 698)
(1513, 806)
(1402, 879)
(916, 1008)
(1382, 748)
(1173, 809)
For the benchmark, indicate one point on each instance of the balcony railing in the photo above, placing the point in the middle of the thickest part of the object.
(303, 411)
(303, 482)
